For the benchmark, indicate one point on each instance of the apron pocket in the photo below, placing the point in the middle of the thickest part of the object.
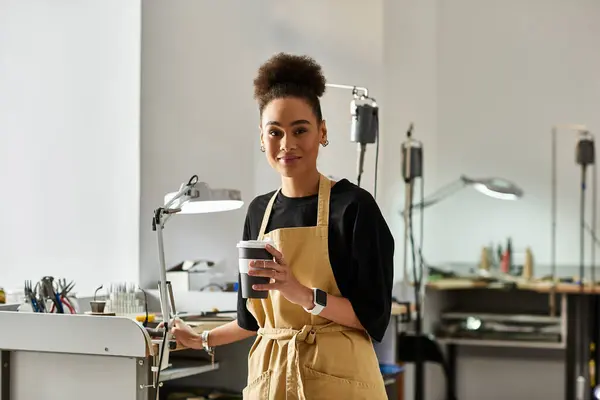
(319, 385)
(258, 388)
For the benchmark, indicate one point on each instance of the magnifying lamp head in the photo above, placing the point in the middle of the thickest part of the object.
(495, 187)
(199, 198)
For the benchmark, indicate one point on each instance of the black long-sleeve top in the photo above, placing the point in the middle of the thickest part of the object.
(361, 249)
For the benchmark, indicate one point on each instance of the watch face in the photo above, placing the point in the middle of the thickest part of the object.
(320, 297)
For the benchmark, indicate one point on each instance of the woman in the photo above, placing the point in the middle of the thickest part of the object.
(332, 269)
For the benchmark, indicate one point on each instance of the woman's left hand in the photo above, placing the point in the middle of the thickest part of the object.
(282, 279)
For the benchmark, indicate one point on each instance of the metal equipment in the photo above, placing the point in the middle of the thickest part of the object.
(365, 127)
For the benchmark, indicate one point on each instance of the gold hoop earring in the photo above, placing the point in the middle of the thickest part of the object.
(262, 148)
(326, 143)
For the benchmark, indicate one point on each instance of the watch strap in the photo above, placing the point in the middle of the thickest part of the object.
(317, 308)
(204, 337)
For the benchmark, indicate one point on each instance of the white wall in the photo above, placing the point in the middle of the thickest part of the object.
(69, 134)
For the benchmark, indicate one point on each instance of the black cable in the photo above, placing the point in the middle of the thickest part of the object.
(145, 324)
(162, 352)
(419, 363)
(422, 227)
(418, 278)
(594, 208)
(376, 157)
(585, 156)
(412, 155)
(580, 333)
(412, 168)
(594, 328)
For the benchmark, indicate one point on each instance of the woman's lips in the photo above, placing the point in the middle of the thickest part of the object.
(288, 159)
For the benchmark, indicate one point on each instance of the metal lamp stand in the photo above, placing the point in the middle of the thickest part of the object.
(167, 302)
(412, 168)
(585, 157)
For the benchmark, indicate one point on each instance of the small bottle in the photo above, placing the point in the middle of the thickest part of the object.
(504, 265)
(528, 265)
(484, 263)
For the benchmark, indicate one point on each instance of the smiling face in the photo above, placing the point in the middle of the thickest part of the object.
(291, 135)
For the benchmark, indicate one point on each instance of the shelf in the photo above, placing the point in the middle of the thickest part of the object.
(496, 317)
(187, 369)
(502, 343)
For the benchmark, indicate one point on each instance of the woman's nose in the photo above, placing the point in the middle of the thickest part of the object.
(287, 143)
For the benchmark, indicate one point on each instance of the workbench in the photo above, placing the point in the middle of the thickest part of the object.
(85, 356)
(563, 301)
(70, 357)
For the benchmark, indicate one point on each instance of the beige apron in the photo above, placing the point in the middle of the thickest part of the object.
(298, 355)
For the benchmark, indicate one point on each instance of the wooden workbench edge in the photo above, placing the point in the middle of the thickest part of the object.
(539, 287)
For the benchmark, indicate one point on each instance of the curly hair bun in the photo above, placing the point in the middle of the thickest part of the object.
(289, 71)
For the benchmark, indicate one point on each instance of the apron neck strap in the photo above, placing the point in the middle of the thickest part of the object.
(324, 195)
(322, 210)
(267, 214)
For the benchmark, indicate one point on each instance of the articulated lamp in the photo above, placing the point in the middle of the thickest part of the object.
(497, 188)
(192, 198)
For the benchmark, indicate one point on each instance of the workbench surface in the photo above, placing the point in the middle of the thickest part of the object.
(535, 286)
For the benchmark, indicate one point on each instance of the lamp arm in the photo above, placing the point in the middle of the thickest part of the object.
(179, 195)
(162, 214)
(440, 194)
(354, 89)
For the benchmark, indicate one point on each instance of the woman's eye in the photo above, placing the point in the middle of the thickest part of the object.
(274, 133)
(300, 131)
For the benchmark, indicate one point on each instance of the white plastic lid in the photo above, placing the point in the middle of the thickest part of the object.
(254, 244)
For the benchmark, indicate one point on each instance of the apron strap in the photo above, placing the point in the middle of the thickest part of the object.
(324, 195)
(322, 211)
(267, 215)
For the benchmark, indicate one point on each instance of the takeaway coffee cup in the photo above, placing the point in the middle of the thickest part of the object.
(249, 250)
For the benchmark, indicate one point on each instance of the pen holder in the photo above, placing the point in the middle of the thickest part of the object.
(97, 306)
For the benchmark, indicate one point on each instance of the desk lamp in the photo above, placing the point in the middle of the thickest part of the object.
(497, 188)
(193, 197)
